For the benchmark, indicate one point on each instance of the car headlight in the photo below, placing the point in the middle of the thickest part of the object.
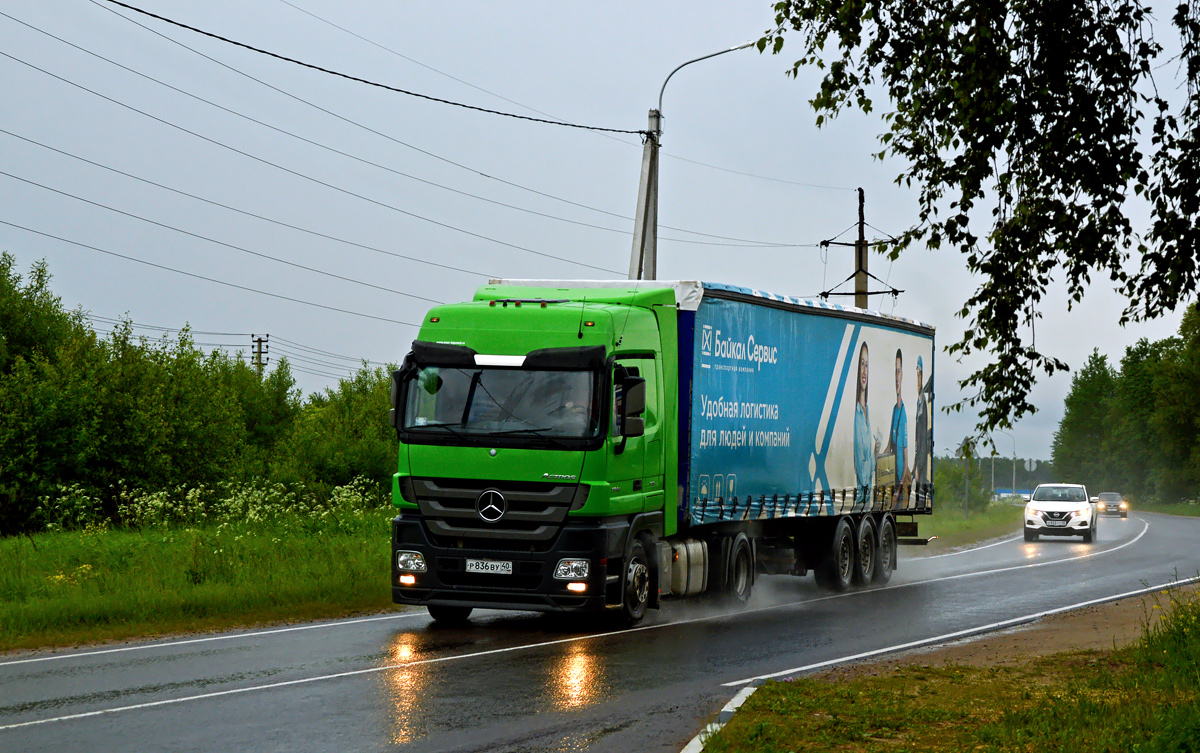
(572, 570)
(1083, 511)
(1101, 506)
(1031, 510)
(1124, 506)
(411, 562)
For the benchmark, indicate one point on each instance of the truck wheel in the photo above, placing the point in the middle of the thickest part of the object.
(886, 562)
(635, 590)
(865, 551)
(837, 566)
(741, 572)
(449, 615)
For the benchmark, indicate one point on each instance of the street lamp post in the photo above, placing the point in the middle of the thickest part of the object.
(643, 259)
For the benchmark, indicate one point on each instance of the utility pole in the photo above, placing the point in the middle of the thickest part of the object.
(860, 256)
(260, 352)
(643, 259)
(861, 248)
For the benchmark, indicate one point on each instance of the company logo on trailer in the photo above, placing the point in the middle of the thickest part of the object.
(712, 344)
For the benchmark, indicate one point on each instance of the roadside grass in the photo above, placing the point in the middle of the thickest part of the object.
(71, 587)
(198, 559)
(954, 529)
(1145, 697)
(1190, 508)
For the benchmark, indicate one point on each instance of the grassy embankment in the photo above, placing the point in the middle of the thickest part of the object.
(954, 529)
(231, 563)
(1191, 509)
(1145, 697)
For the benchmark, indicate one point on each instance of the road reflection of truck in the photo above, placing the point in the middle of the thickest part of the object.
(577, 446)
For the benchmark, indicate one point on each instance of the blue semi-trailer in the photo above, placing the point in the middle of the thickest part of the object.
(582, 445)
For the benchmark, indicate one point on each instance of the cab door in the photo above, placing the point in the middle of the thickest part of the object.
(626, 455)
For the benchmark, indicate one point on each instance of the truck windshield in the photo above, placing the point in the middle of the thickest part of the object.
(489, 401)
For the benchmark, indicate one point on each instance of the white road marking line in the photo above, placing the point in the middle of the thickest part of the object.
(543, 644)
(226, 637)
(965, 551)
(962, 633)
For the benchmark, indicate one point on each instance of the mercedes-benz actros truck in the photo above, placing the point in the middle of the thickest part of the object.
(582, 446)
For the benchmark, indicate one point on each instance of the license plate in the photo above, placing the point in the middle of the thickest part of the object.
(489, 566)
(1056, 522)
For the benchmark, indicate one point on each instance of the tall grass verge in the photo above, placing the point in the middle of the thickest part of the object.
(198, 559)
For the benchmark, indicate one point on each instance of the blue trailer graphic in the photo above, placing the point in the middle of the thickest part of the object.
(801, 409)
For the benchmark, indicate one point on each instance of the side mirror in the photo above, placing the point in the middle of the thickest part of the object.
(634, 426)
(634, 390)
(395, 393)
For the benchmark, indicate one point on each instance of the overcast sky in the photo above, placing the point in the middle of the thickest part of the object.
(406, 197)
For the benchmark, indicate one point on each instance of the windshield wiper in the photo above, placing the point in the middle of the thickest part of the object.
(537, 432)
(448, 427)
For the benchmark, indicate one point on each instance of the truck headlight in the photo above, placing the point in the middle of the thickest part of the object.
(411, 562)
(572, 570)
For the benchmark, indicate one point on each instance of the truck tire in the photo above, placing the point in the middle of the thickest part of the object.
(635, 585)
(449, 615)
(836, 569)
(885, 563)
(741, 572)
(866, 551)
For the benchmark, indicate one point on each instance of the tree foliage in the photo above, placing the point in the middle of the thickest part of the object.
(85, 420)
(1032, 111)
(1137, 429)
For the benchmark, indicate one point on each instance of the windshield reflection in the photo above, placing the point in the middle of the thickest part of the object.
(562, 404)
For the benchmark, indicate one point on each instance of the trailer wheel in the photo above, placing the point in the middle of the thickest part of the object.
(635, 590)
(837, 566)
(741, 571)
(885, 563)
(866, 549)
(449, 615)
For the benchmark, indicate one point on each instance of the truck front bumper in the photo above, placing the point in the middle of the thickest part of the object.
(531, 584)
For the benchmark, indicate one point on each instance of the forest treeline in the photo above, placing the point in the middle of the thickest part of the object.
(1134, 427)
(87, 421)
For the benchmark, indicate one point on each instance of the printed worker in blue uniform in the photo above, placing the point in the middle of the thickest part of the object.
(921, 437)
(898, 440)
(864, 450)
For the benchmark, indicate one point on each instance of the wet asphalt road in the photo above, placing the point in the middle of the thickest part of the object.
(521, 682)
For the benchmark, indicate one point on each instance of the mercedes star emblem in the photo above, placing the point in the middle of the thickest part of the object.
(491, 506)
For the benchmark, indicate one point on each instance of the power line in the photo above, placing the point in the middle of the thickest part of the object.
(427, 153)
(207, 279)
(540, 112)
(243, 211)
(285, 348)
(219, 243)
(315, 350)
(110, 320)
(349, 77)
(308, 177)
(315, 359)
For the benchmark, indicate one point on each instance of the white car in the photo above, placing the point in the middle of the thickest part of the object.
(1060, 510)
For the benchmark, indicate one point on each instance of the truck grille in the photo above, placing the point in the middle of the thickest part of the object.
(534, 512)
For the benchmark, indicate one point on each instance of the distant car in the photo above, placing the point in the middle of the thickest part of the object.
(1060, 510)
(1112, 503)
